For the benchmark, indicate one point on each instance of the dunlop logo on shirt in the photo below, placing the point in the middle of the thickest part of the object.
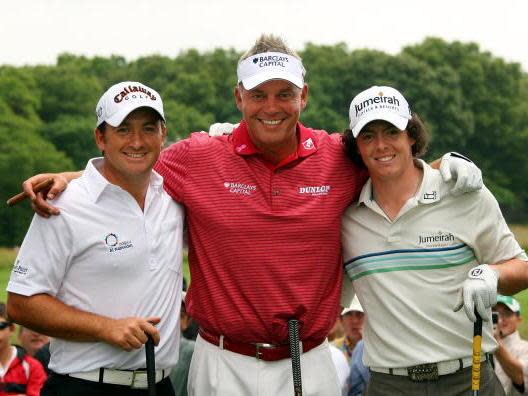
(314, 190)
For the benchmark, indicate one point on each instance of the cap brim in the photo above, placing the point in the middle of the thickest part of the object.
(397, 120)
(260, 78)
(118, 117)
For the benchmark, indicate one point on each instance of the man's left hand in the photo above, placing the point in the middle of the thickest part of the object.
(467, 175)
(478, 291)
(221, 128)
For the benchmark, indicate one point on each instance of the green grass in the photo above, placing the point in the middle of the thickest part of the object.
(7, 258)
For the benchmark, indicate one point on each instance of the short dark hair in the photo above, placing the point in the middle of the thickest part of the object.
(416, 130)
(3, 310)
(102, 126)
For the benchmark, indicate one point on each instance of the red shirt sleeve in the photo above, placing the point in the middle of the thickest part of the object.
(37, 377)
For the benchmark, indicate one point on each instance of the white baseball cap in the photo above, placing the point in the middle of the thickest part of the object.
(266, 66)
(354, 306)
(379, 103)
(510, 302)
(123, 98)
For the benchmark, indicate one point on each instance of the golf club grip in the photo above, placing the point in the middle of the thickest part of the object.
(21, 196)
(151, 366)
(295, 353)
(477, 344)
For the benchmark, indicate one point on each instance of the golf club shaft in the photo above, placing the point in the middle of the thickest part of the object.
(477, 343)
(151, 366)
(21, 196)
(293, 333)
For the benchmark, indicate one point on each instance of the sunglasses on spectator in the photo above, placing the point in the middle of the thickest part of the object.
(4, 324)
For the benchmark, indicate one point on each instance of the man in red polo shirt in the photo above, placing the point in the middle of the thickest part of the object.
(264, 208)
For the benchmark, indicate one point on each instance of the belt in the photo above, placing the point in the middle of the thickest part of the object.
(132, 378)
(430, 371)
(261, 351)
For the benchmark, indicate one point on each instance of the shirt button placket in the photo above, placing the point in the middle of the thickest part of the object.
(394, 233)
(149, 248)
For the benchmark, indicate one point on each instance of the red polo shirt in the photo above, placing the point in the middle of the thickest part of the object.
(264, 240)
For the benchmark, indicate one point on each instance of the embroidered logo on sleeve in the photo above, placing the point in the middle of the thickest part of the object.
(20, 269)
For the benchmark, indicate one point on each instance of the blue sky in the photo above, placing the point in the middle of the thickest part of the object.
(36, 31)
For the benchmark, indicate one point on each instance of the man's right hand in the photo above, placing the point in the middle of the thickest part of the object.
(39, 200)
(131, 333)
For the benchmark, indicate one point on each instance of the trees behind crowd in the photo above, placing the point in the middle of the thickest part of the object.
(472, 102)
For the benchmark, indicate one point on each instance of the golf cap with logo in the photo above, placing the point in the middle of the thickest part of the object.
(510, 302)
(259, 68)
(354, 306)
(123, 98)
(379, 103)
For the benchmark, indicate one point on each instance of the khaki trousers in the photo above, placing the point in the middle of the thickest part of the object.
(455, 384)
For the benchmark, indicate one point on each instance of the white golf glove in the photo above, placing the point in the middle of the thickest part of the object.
(221, 128)
(478, 291)
(457, 167)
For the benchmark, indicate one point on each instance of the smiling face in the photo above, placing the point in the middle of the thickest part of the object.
(132, 148)
(271, 111)
(385, 150)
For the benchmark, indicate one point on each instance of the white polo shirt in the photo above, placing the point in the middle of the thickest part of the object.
(407, 272)
(103, 254)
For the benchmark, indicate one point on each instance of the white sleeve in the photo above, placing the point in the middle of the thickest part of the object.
(43, 257)
(493, 240)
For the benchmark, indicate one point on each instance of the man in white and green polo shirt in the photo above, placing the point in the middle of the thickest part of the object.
(408, 246)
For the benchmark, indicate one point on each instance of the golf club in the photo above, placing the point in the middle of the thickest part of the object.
(477, 343)
(151, 366)
(293, 334)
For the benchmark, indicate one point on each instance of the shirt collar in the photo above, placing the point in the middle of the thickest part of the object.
(97, 183)
(428, 193)
(243, 145)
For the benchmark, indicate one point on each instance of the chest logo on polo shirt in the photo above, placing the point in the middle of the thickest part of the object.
(314, 190)
(240, 188)
(439, 239)
(113, 244)
(430, 195)
(308, 144)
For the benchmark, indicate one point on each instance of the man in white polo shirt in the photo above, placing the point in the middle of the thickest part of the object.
(411, 250)
(106, 274)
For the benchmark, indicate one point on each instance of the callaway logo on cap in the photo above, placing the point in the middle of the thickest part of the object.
(379, 103)
(123, 98)
(266, 66)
